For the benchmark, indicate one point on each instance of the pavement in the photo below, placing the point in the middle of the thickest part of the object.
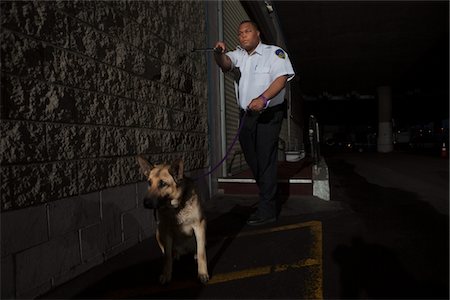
(383, 234)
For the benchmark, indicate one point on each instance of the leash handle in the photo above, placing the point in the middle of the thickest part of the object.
(228, 150)
(216, 50)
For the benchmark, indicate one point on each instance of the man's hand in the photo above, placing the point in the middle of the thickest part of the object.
(257, 104)
(222, 60)
(220, 45)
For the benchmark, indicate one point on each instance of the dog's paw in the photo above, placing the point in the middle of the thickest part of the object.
(204, 278)
(165, 278)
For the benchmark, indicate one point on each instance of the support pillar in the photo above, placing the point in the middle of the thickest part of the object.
(384, 143)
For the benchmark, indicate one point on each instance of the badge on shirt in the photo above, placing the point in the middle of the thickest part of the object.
(280, 53)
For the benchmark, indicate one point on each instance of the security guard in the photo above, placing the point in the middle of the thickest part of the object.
(261, 72)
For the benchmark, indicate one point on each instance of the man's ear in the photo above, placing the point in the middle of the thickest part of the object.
(177, 169)
(146, 167)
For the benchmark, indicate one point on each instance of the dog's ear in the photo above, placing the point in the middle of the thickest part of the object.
(146, 167)
(177, 169)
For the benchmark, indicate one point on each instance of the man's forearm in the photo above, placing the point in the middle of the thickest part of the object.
(275, 87)
(223, 61)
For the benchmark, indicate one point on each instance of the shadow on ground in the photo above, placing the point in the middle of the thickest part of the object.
(404, 250)
(141, 280)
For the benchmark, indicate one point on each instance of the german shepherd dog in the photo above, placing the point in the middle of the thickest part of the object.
(181, 223)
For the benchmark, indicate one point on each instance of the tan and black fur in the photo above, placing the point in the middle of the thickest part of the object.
(181, 222)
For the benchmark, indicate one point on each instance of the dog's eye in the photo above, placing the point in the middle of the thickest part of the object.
(149, 183)
(162, 184)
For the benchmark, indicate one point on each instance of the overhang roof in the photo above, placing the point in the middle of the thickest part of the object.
(356, 46)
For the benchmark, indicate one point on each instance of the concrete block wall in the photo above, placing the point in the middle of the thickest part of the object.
(85, 87)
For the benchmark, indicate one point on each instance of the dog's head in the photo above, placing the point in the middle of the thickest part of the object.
(163, 183)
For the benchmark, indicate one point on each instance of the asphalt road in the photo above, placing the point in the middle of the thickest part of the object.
(402, 203)
(383, 234)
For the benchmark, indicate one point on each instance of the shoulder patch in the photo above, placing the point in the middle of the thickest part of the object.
(280, 53)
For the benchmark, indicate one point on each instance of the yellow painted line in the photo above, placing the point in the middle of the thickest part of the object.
(317, 251)
(216, 279)
(315, 290)
(260, 271)
(315, 227)
(315, 287)
(225, 277)
(300, 264)
(282, 228)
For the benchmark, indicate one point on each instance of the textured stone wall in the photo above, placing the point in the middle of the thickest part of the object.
(85, 87)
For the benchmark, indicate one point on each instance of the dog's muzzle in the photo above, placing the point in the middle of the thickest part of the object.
(152, 203)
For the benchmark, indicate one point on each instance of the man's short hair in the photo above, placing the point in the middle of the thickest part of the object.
(250, 21)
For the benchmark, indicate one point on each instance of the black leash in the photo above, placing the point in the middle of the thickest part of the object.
(228, 151)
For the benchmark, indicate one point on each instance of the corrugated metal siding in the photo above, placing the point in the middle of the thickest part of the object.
(233, 14)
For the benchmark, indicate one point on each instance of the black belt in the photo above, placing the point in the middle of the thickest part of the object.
(268, 110)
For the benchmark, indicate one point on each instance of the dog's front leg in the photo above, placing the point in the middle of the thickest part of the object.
(200, 236)
(166, 275)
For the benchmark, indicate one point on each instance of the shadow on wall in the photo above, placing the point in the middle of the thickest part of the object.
(84, 232)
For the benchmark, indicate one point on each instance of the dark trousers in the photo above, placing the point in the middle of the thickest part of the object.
(259, 142)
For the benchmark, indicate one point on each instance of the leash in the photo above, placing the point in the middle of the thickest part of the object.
(155, 214)
(228, 151)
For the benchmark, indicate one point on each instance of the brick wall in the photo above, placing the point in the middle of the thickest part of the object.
(85, 86)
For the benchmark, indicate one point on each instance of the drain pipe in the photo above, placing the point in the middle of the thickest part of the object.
(289, 144)
(281, 41)
(222, 92)
(210, 102)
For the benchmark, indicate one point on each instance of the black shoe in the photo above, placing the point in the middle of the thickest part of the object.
(256, 220)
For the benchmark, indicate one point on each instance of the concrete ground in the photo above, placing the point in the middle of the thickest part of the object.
(383, 234)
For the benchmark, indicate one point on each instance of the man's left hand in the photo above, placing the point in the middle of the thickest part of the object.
(257, 105)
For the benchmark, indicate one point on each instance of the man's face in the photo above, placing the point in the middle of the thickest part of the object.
(248, 36)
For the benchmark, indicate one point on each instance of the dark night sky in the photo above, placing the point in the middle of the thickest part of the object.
(342, 47)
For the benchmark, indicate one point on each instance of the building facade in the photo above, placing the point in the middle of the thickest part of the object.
(85, 87)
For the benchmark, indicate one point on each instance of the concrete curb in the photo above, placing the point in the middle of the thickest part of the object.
(320, 178)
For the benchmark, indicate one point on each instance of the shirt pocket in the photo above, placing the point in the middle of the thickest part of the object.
(262, 75)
